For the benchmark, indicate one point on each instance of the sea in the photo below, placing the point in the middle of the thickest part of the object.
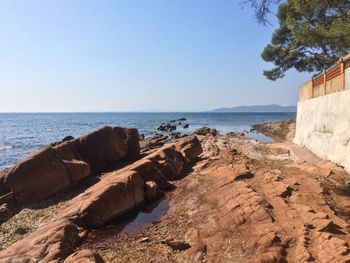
(23, 133)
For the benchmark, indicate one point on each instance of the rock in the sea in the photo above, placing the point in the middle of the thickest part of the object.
(151, 190)
(53, 241)
(67, 138)
(185, 126)
(168, 127)
(84, 256)
(205, 131)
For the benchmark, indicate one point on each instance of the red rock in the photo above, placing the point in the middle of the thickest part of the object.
(50, 242)
(84, 256)
(149, 172)
(190, 147)
(151, 190)
(241, 171)
(5, 212)
(133, 143)
(113, 196)
(56, 168)
(78, 170)
(103, 148)
(168, 161)
(39, 176)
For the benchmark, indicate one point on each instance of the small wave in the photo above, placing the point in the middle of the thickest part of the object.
(5, 147)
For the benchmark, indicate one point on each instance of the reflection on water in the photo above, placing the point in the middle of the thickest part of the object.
(131, 223)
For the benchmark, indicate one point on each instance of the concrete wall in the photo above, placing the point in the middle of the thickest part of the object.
(323, 126)
(347, 78)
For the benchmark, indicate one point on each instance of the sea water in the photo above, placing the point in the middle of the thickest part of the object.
(23, 133)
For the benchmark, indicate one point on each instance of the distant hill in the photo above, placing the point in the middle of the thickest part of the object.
(259, 108)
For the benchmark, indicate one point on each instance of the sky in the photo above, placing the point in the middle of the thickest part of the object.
(128, 55)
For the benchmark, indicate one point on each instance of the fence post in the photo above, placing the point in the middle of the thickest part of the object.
(325, 82)
(342, 74)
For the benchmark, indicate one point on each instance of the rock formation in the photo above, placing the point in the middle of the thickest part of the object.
(117, 193)
(66, 163)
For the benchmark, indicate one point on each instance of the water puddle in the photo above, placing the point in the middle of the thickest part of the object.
(259, 137)
(133, 222)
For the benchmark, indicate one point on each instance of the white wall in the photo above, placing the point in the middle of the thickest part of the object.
(347, 78)
(323, 126)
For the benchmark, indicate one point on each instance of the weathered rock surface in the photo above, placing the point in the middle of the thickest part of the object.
(168, 127)
(132, 138)
(190, 148)
(152, 143)
(50, 242)
(55, 168)
(84, 256)
(97, 205)
(113, 196)
(43, 174)
(205, 131)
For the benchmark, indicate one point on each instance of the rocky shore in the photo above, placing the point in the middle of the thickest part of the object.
(228, 199)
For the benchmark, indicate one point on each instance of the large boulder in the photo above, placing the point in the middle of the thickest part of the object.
(113, 196)
(43, 174)
(103, 148)
(53, 241)
(55, 168)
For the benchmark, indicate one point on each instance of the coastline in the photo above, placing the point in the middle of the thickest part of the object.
(239, 191)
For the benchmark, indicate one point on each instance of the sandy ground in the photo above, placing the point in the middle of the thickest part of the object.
(242, 201)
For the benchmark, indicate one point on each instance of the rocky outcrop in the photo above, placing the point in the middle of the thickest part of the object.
(132, 138)
(190, 148)
(113, 196)
(84, 256)
(117, 193)
(53, 241)
(97, 205)
(55, 168)
(168, 127)
(43, 174)
(205, 131)
(153, 143)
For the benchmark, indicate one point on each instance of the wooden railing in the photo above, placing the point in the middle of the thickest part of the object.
(332, 80)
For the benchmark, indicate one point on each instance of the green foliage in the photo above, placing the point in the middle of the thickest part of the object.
(312, 35)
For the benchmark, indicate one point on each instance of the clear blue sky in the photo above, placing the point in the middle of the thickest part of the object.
(126, 55)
